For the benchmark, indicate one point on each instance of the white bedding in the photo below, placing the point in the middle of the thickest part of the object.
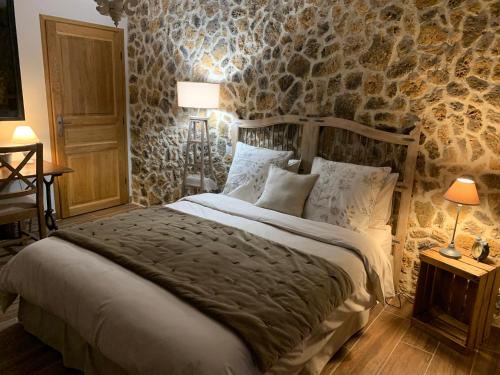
(147, 330)
(382, 235)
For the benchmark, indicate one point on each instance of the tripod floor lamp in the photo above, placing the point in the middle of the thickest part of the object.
(198, 174)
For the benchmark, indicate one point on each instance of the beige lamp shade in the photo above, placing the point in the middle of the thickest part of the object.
(463, 191)
(198, 95)
(24, 135)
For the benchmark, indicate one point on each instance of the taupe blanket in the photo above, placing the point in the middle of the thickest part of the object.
(270, 295)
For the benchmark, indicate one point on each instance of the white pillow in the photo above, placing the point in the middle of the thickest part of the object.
(383, 206)
(250, 167)
(344, 194)
(286, 191)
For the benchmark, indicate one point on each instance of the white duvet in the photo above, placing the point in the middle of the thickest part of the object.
(147, 330)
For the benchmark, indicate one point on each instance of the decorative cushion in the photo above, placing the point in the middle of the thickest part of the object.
(383, 206)
(250, 167)
(293, 165)
(244, 192)
(344, 194)
(286, 191)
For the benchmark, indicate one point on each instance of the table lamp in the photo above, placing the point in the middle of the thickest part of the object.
(24, 135)
(463, 192)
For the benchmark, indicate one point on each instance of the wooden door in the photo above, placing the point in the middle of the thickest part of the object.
(85, 88)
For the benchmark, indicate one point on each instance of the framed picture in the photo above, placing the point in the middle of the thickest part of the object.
(11, 96)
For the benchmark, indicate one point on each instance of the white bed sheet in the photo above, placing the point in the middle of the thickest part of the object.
(147, 330)
(383, 236)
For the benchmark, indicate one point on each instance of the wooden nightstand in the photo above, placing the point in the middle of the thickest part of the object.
(455, 299)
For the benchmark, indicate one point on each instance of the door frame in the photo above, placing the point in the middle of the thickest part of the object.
(50, 108)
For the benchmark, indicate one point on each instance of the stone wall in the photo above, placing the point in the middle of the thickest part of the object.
(387, 64)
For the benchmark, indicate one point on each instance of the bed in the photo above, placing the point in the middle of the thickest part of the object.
(105, 319)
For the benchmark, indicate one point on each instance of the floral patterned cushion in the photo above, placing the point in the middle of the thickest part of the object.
(344, 194)
(248, 173)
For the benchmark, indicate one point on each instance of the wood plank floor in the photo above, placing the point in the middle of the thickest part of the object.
(389, 345)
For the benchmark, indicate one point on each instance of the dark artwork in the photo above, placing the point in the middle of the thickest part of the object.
(11, 96)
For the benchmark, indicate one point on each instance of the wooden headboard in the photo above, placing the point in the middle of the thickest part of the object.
(344, 141)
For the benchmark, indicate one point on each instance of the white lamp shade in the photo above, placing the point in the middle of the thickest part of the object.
(24, 135)
(198, 95)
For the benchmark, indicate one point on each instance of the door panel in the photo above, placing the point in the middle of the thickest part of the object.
(86, 87)
(81, 136)
(82, 186)
(103, 160)
(90, 78)
(96, 166)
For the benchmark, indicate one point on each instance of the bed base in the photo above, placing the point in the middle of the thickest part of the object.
(78, 354)
(54, 332)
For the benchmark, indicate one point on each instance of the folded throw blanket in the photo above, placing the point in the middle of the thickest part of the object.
(272, 296)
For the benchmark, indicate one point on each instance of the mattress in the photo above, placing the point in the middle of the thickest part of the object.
(144, 329)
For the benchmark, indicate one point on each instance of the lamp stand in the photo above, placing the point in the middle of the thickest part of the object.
(199, 178)
(450, 251)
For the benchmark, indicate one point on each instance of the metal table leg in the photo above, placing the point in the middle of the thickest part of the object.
(50, 217)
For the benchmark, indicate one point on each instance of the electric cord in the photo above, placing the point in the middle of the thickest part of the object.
(399, 296)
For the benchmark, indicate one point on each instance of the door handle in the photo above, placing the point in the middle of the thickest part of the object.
(60, 125)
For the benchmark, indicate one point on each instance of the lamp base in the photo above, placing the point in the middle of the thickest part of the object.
(450, 252)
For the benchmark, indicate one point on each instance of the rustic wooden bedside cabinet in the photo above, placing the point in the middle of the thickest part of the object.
(455, 299)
